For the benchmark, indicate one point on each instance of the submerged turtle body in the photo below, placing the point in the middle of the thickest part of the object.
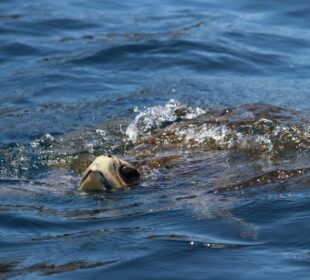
(250, 128)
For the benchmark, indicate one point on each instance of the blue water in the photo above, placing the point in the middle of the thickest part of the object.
(73, 70)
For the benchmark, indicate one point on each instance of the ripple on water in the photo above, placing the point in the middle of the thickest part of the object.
(225, 189)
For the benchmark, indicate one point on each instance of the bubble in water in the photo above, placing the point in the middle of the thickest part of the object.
(101, 132)
(44, 141)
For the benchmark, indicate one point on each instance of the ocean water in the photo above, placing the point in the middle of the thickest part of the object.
(209, 98)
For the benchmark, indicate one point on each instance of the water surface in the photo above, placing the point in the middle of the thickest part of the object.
(83, 78)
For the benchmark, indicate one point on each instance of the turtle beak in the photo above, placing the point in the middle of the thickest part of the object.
(108, 174)
(94, 181)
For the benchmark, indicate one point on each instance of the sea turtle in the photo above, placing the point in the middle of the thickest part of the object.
(162, 137)
(252, 129)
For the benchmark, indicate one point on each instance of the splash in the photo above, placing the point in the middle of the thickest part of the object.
(159, 117)
(252, 127)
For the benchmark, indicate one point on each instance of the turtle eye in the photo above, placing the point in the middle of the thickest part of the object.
(130, 175)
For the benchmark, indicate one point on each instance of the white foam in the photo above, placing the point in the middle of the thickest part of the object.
(154, 117)
(43, 140)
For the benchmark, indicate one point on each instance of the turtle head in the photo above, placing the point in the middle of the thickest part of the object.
(108, 173)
